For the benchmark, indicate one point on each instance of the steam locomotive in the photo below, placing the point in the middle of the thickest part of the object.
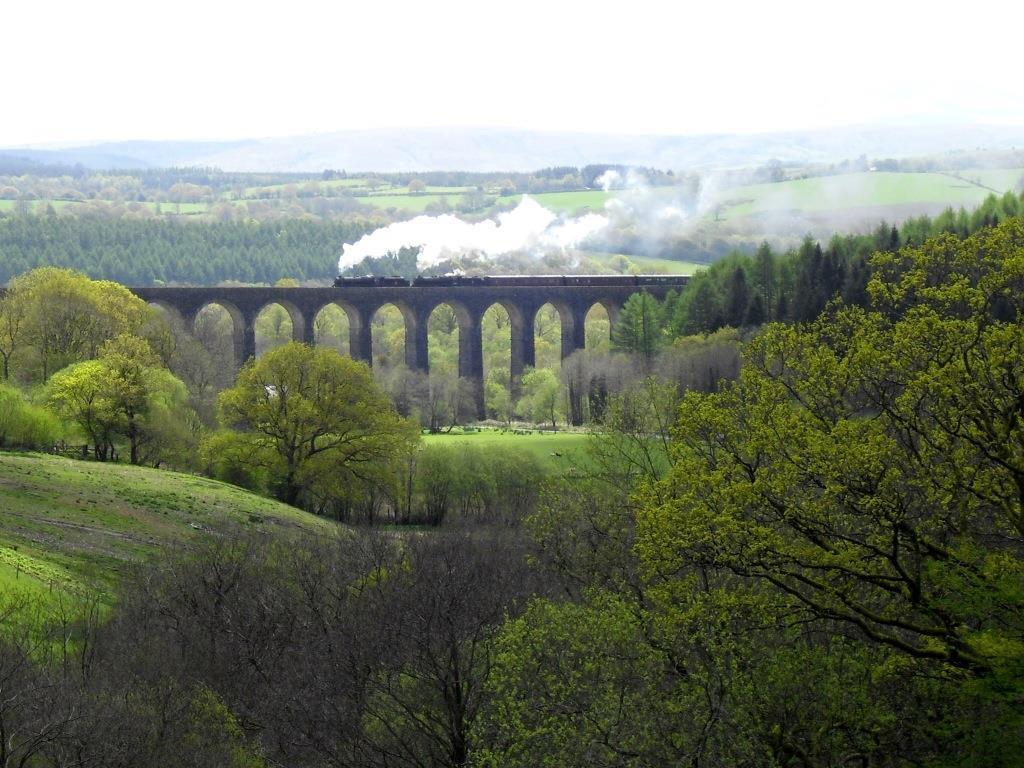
(377, 282)
(513, 281)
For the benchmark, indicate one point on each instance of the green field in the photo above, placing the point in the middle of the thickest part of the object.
(75, 526)
(542, 445)
(648, 265)
(565, 202)
(998, 180)
(863, 190)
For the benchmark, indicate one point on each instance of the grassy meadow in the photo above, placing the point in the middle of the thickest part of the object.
(554, 450)
(77, 526)
(865, 190)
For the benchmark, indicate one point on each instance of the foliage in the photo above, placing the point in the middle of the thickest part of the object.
(314, 421)
(125, 392)
(24, 424)
(867, 468)
(360, 650)
(639, 327)
(59, 316)
(742, 290)
(577, 685)
(541, 399)
(472, 484)
(146, 252)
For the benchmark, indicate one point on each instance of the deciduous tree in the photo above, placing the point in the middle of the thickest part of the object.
(312, 418)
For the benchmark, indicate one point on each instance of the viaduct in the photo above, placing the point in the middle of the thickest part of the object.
(521, 298)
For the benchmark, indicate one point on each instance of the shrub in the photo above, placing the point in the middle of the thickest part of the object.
(25, 425)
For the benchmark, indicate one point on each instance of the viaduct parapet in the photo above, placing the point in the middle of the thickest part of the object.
(521, 298)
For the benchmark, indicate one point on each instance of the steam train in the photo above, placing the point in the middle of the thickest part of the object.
(513, 281)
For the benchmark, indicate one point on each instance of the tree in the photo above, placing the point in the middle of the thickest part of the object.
(498, 401)
(738, 298)
(67, 316)
(14, 310)
(125, 392)
(639, 326)
(868, 469)
(146, 401)
(24, 424)
(542, 396)
(764, 274)
(312, 419)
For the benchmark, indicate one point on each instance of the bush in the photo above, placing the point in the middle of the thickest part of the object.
(25, 425)
(475, 485)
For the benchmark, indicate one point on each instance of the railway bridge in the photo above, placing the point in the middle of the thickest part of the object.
(572, 295)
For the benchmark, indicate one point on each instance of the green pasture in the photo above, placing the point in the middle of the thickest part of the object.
(998, 180)
(647, 265)
(275, 189)
(75, 526)
(565, 202)
(856, 190)
(404, 190)
(554, 450)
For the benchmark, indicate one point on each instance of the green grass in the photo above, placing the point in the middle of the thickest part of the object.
(275, 189)
(565, 202)
(542, 445)
(76, 526)
(857, 190)
(999, 179)
(649, 265)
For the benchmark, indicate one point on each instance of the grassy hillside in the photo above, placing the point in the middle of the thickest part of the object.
(76, 526)
(867, 190)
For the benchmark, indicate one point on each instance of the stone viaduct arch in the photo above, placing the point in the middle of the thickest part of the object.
(416, 302)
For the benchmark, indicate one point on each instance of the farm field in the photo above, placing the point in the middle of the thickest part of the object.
(565, 202)
(542, 445)
(77, 526)
(997, 179)
(859, 190)
(816, 195)
(648, 265)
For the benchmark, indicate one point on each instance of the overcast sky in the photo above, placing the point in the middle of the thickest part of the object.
(99, 70)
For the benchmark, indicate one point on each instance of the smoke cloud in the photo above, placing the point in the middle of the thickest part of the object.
(636, 218)
(528, 228)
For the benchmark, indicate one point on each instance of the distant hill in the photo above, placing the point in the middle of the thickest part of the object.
(76, 526)
(489, 149)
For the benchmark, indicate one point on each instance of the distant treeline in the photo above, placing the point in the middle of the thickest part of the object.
(137, 252)
(143, 252)
(748, 290)
(150, 178)
(165, 178)
(586, 176)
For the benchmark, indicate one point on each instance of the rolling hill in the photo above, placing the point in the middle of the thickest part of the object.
(504, 149)
(69, 526)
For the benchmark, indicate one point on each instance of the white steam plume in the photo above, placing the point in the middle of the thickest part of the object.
(528, 228)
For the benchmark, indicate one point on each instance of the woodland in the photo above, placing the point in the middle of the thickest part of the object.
(790, 533)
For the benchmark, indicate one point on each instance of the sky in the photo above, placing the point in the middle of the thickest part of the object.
(218, 69)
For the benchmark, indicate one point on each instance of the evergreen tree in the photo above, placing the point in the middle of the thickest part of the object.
(739, 298)
(755, 312)
(639, 327)
(764, 270)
